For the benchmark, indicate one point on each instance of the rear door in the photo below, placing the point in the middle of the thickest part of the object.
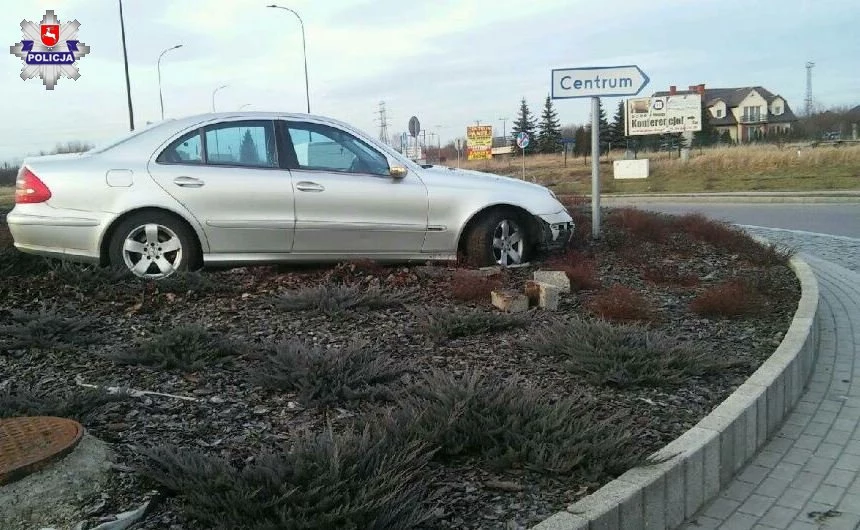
(228, 175)
(346, 200)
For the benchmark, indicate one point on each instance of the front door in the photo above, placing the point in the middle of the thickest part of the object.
(229, 178)
(346, 202)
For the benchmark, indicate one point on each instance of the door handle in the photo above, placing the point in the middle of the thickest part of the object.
(188, 182)
(309, 186)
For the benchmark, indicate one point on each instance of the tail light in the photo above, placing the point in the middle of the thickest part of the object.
(29, 188)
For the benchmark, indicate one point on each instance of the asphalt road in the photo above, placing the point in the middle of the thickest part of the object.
(827, 218)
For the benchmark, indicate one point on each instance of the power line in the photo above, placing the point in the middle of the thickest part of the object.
(809, 67)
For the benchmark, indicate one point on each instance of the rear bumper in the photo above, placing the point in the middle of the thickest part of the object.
(556, 231)
(49, 232)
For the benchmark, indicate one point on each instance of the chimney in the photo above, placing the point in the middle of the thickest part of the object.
(673, 90)
(693, 88)
(701, 89)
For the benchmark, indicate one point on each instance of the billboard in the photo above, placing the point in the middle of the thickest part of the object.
(662, 115)
(479, 142)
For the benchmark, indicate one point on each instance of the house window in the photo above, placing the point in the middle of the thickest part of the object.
(777, 110)
(719, 113)
(752, 114)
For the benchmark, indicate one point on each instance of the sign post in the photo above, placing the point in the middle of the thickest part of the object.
(458, 153)
(594, 82)
(522, 143)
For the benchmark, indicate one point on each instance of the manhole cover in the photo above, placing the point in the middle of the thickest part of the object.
(29, 443)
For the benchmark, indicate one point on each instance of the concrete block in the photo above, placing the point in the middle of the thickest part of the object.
(543, 295)
(563, 521)
(675, 497)
(557, 278)
(510, 301)
(740, 441)
(711, 469)
(654, 505)
(694, 475)
(752, 443)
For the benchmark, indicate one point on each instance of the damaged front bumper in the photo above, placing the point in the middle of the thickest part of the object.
(556, 231)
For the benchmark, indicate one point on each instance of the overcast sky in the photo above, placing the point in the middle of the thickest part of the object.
(448, 62)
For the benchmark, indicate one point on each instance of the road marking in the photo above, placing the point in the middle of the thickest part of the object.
(803, 233)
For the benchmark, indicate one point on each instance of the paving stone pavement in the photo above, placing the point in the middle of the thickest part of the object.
(808, 476)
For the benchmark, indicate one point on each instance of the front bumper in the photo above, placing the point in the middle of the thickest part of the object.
(556, 231)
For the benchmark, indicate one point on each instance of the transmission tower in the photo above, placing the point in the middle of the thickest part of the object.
(809, 67)
(383, 124)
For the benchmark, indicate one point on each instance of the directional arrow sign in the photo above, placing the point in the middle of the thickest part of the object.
(609, 81)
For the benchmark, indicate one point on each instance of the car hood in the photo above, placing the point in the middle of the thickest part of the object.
(470, 178)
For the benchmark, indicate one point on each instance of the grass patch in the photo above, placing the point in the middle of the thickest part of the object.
(619, 303)
(505, 425)
(185, 282)
(16, 263)
(732, 298)
(77, 404)
(623, 355)
(336, 300)
(580, 269)
(669, 274)
(322, 376)
(46, 329)
(733, 240)
(443, 323)
(326, 481)
(7, 197)
(188, 347)
(717, 169)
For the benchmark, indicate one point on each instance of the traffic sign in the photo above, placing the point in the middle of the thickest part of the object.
(598, 81)
(414, 126)
(522, 140)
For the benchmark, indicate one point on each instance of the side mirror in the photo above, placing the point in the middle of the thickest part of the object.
(397, 172)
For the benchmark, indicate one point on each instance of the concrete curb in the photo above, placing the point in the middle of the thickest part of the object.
(704, 459)
(625, 199)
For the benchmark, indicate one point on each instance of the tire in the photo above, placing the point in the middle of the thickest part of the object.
(174, 247)
(486, 242)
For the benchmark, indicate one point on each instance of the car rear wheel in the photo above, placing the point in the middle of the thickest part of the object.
(153, 245)
(499, 238)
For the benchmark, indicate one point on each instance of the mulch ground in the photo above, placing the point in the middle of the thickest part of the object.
(234, 418)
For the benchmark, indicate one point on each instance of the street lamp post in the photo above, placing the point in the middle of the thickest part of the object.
(125, 61)
(213, 95)
(160, 97)
(504, 128)
(304, 51)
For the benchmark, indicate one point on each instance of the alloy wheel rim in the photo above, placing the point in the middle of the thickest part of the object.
(152, 251)
(508, 243)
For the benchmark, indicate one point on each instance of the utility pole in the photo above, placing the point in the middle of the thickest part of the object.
(383, 124)
(809, 66)
(125, 61)
(504, 128)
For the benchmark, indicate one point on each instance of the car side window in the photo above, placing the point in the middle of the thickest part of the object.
(186, 150)
(323, 148)
(241, 143)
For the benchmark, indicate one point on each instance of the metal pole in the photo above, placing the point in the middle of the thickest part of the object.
(524, 162)
(160, 97)
(595, 167)
(304, 52)
(125, 62)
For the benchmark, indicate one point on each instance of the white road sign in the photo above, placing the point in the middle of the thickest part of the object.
(609, 81)
(663, 115)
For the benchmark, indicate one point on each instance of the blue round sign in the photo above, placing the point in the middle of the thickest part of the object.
(522, 140)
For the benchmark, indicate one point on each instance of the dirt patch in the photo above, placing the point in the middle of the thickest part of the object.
(297, 390)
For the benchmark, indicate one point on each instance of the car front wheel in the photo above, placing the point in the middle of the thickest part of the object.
(499, 238)
(153, 245)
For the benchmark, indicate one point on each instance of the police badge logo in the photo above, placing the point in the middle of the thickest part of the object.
(50, 50)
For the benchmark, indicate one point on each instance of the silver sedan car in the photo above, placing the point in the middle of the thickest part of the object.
(257, 187)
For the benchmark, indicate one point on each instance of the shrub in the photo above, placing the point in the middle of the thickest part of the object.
(88, 278)
(732, 298)
(77, 403)
(733, 240)
(444, 323)
(46, 329)
(187, 347)
(326, 481)
(580, 269)
(507, 425)
(349, 271)
(470, 287)
(642, 225)
(619, 303)
(13, 262)
(321, 376)
(623, 355)
(335, 300)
